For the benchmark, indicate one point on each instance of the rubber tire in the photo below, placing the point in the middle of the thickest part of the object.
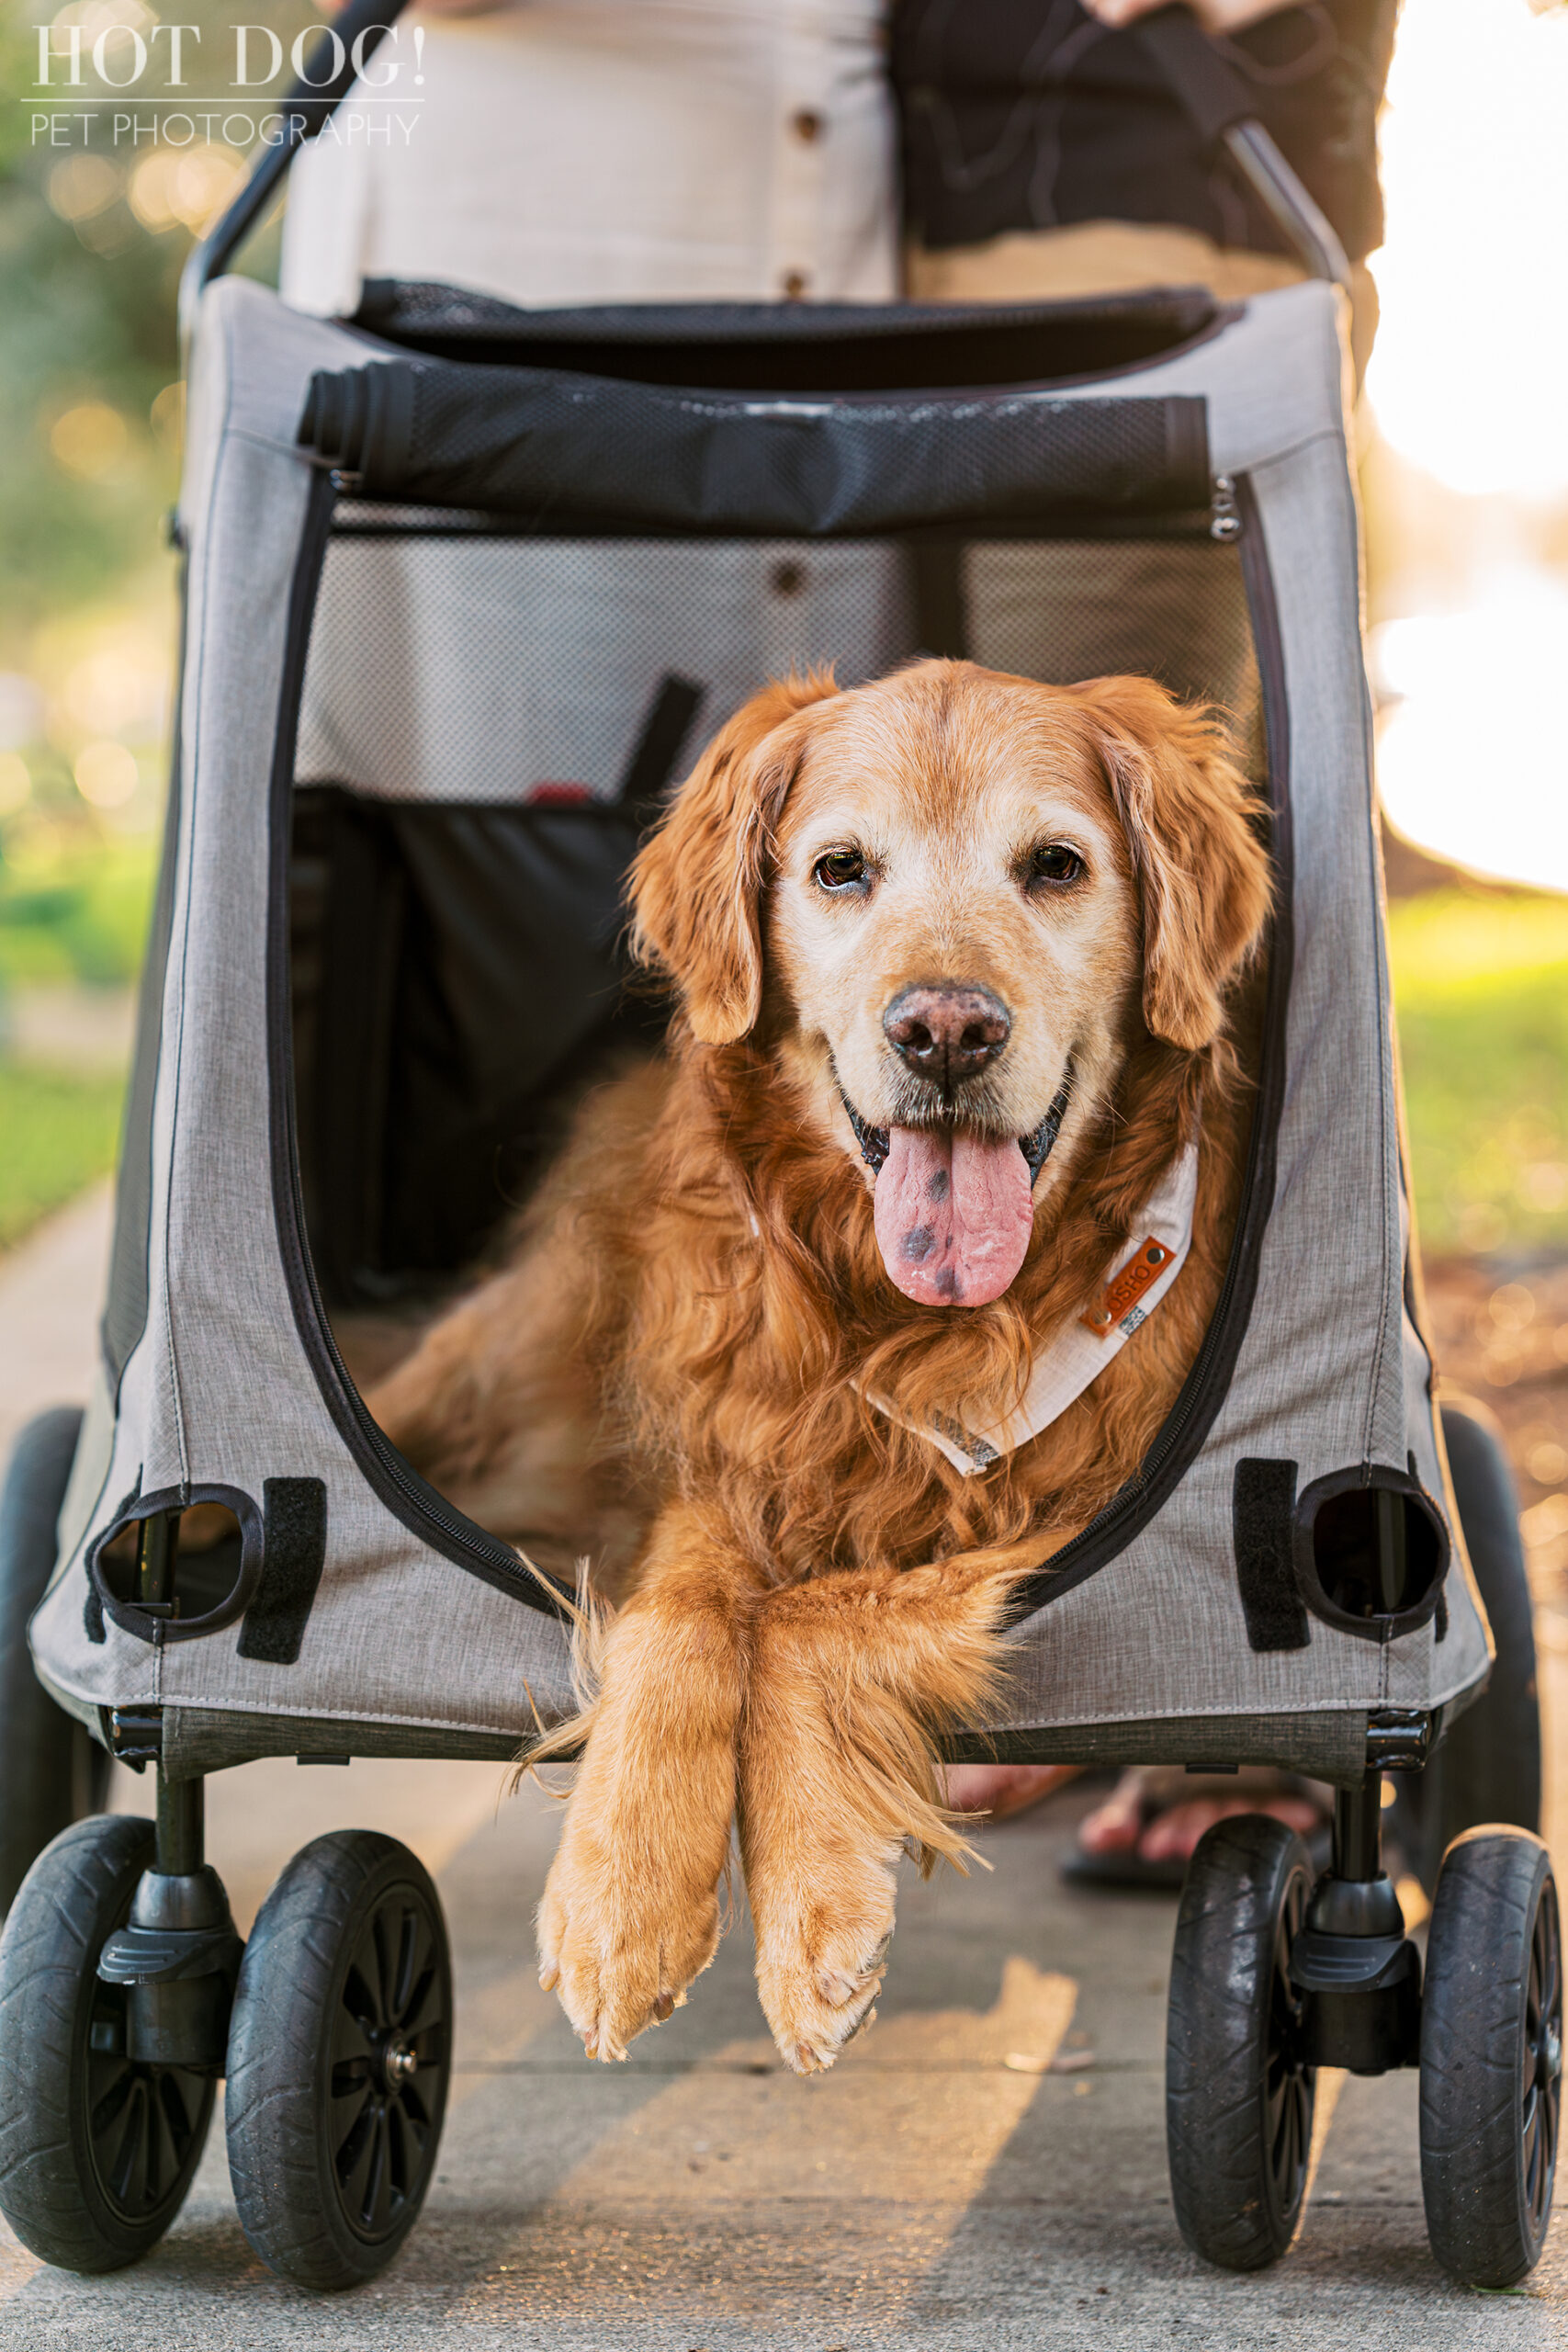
(286, 2008)
(1491, 1887)
(76, 1895)
(51, 1769)
(1243, 1874)
(1487, 1769)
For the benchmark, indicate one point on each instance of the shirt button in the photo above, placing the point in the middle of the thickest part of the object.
(793, 283)
(808, 125)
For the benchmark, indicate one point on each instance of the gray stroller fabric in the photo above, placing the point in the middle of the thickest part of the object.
(349, 1630)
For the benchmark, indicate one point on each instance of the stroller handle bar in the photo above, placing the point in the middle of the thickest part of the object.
(1220, 106)
(1199, 77)
(307, 110)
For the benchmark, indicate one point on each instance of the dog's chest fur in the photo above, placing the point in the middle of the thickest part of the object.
(742, 1379)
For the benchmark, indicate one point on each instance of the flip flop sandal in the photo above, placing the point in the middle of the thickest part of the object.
(1128, 1872)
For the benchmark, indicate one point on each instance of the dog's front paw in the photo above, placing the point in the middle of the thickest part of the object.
(819, 1971)
(619, 1945)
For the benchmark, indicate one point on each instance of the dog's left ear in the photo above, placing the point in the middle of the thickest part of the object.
(1203, 874)
(696, 886)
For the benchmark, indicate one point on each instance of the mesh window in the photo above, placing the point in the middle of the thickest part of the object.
(479, 668)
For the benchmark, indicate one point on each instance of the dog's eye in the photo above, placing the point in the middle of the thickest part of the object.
(1056, 863)
(840, 869)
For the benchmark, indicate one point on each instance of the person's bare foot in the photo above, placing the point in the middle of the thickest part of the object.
(998, 1789)
(1123, 1823)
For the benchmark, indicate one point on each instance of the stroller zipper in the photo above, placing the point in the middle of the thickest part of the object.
(399, 1485)
(1202, 1391)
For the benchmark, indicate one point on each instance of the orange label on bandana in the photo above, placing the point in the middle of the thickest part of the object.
(1124, 1290)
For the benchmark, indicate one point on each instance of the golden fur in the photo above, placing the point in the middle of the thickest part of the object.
(672, 1372)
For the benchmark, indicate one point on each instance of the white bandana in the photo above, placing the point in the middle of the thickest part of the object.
(1134, 1287)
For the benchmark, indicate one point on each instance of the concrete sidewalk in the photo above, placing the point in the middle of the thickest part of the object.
(936, 2190)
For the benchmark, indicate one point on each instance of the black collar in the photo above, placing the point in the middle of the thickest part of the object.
(1036, 1148)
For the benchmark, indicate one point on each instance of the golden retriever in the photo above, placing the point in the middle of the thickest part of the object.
(909, 925)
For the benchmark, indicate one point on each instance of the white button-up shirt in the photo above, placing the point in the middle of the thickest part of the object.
(607, 151)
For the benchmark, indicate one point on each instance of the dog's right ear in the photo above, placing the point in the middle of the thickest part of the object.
(696, 886)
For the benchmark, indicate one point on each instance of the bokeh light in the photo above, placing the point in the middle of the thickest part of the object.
(106, 775)
(89, 440)
(1468, 378)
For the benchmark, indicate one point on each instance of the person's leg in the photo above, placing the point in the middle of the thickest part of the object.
(998, 1789)
(1157, 1814)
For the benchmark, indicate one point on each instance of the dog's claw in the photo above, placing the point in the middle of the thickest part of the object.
(548, 1979)
(664, 2007)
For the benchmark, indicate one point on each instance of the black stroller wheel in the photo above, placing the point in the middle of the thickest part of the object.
(97, 2148)
(52, 1770)
(339, 2057)
(1487, 1769)
(1492, 2057)
(1238, 2095)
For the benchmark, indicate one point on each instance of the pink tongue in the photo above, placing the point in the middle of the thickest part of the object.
(953, 1216)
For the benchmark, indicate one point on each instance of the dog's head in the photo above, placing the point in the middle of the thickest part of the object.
(955, 900)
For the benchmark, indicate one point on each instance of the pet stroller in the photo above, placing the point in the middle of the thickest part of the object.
(462, 586)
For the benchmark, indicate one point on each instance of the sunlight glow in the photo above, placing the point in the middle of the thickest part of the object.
(1472, 743)
(1468, 378)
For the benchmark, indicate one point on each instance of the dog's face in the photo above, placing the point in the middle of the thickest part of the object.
(954, 899)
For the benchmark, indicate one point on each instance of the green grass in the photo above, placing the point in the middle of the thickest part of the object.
(1481, 988)
(60, 1131)
(82, 917)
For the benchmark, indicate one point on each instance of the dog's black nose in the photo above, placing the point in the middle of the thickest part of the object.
(946, 1030)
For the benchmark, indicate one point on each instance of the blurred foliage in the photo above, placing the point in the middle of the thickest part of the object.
(92, 239)
(84, 918)
(1481, 986)
(89, 319)
(60, 1131)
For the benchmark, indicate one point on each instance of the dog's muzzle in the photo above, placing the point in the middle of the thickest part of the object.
(1036, 1147)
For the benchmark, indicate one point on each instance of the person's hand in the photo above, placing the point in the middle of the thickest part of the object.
(1214, 16)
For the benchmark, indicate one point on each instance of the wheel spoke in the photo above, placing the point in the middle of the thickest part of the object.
(352, 2161)
(373, 2212)
(177, 2111)
(128, 2170)
(403, 2154)
(405, 1968)
(352, 2077)
(416, 2016)
(110, 2102)
(360, 2005)
(415, 2114)
(1532, 2152)
(383, 1963)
